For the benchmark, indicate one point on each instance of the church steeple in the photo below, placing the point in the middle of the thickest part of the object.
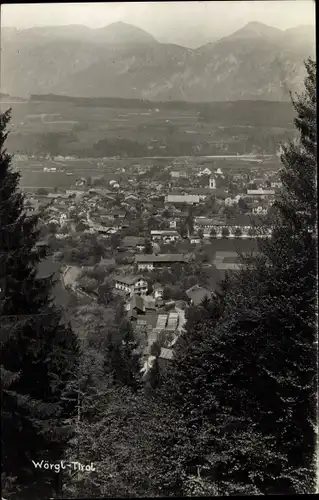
(212, 183)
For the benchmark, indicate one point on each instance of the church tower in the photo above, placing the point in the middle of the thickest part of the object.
(212, 183)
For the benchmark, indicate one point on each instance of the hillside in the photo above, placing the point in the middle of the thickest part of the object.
(120, 60)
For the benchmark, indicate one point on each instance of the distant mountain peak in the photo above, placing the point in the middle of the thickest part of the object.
(257, 24)
(256, 29)
(120, 32)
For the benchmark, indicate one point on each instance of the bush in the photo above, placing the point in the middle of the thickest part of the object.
(89, 285)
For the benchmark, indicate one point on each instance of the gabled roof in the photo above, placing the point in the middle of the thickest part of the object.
(177, 257)
(191, 198)
(199, 221)
(128, 280)
(168, 232)
(133, 241)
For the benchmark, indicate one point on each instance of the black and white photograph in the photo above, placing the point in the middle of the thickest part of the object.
(158, 249)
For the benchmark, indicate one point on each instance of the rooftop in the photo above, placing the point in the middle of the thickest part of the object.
(165, 231)
(184, 198)
(177, 257)
(133, 240)
(128, 280)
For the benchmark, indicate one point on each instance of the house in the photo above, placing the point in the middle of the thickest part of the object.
(130, 285)
(196, 294)
(194, 240)
(260, 192)
(167, 236)
(206, 224)
(178, 174)
(206, 171)
(243, 223)
(203, 192)
(140, 304)
(149, 262)
(190, 199)
(133, 243)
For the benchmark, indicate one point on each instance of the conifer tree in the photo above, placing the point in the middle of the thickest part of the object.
(38, 352)
(245, 385)
(112, 432)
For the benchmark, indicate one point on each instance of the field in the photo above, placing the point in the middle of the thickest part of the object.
(74, 128)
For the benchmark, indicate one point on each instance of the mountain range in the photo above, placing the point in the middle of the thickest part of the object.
(257, 62)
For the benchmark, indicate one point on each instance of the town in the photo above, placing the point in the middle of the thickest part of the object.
(160, 239)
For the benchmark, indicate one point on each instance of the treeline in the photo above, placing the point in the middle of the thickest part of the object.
(233, 413)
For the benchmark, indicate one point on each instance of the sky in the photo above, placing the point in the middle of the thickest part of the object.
(164, 19)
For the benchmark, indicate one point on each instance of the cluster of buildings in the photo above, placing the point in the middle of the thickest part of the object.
(169, 198)
(155, 320)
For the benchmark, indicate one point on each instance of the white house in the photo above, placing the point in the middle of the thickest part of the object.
(182, 198)
(260, 192)
(172, 224)
(165, 236)
(206, 171)
(63, 219)
(131, 285)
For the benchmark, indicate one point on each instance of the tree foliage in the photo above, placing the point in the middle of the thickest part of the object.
(243, 380)
(38, 350)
